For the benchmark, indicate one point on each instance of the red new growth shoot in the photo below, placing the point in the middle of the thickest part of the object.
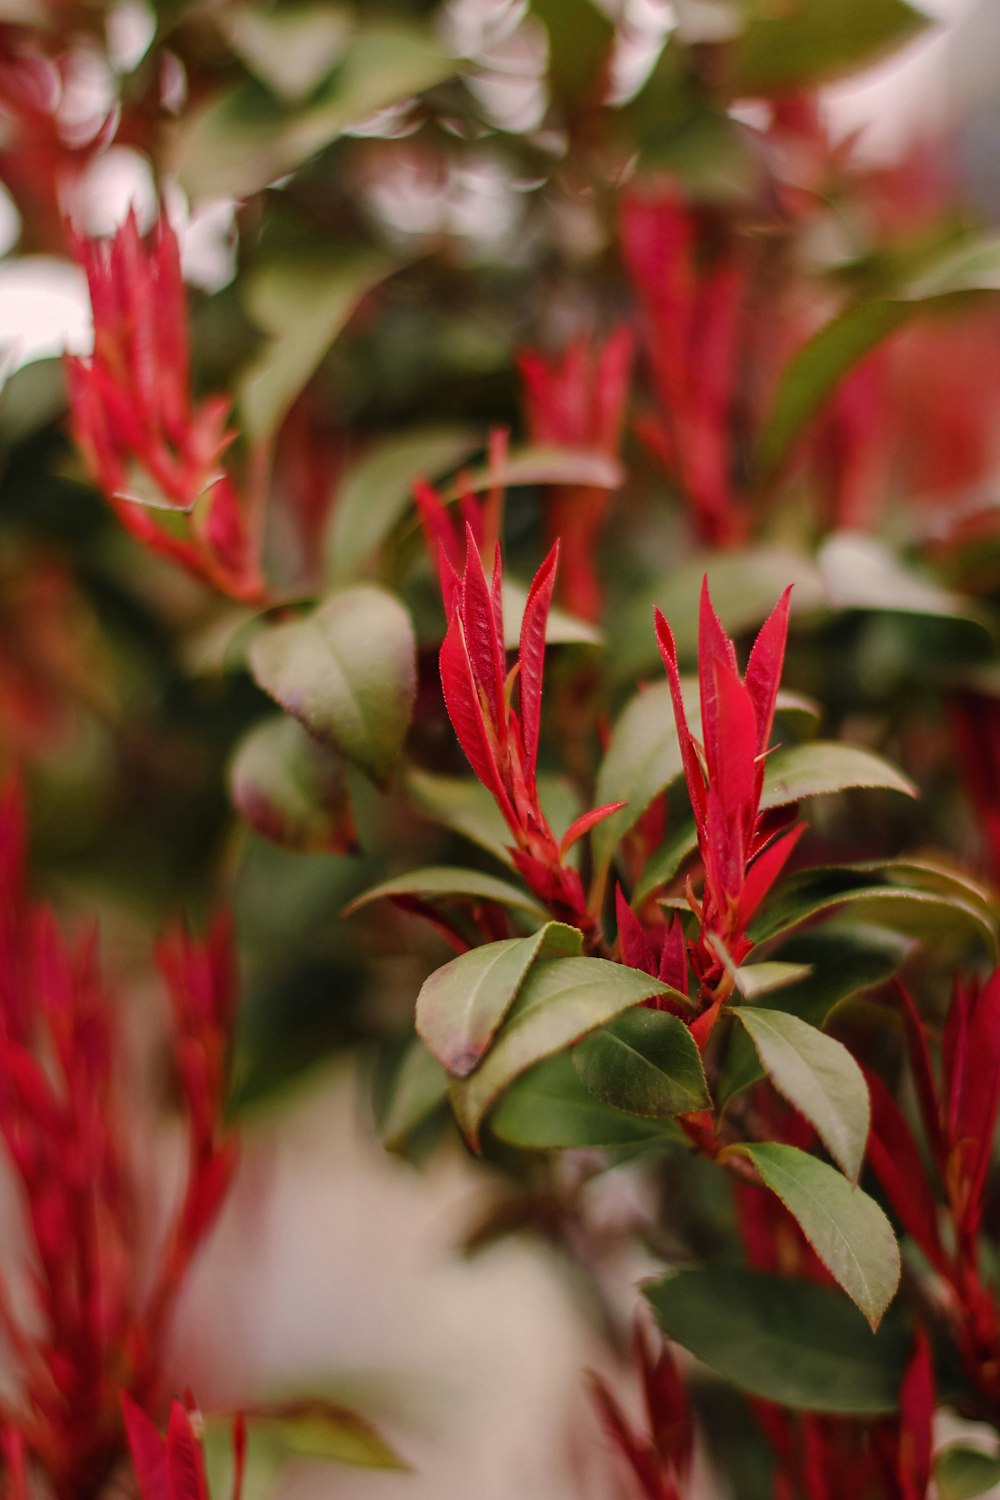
(499, 740)
(146, 444)
(725, 775)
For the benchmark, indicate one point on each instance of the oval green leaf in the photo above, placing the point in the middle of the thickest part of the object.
(817, 1075)
(962, 1473)
(347, 671)
(461, 1005)
(646, 1062)
(292, 790)
(443, 882)
(823, 767)
(559, 1002)
(847, 1229)
(794, 1342)
(548, 1108)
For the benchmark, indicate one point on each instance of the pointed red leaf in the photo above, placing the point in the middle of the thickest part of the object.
(637, 1451)
(634, 941)
(483, 642)
(531, 655)
(692, 766)
(764, 872)
(714, 649)
(673, 958)
(733, 770)
(666, 1402)
(465, 712)
(148, 1450)
(981, 1096)
(585, 822)
(916, 1415)
(763, 673)
(185, 1461)
(895, 1158)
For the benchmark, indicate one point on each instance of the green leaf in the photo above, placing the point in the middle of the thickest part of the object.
(756, 979)
(878, 896)
(302, 305)
(823, 767)
(540, 464)
(419, 1086)
(847, 1229)
(441, 882)
(463, 805)
(376, 492)
(961, 1473)
(347, 671)
(244, 139)
(811, 41)
(860, 572)
(292, 47)
(559, 1002)
(292, 790)
(794, 1342)
(548, 1108)
(316, 1428)
(461, 1005)
(646, 1062)
(818, 1076)
(580, 42)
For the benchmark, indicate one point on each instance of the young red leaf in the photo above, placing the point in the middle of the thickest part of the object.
(980, 1098)
(916, 1415)
(897, 1163)
(715, 649)
(584, 823)
(531, 655)
(465, 711)
(185, 1462)
(764, 872)
(634, 941)
(731, 754)
(763, 674)
(483, 641)
(148, 1450)
(692, 766)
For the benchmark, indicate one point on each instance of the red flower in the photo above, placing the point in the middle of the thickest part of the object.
(578, 401)
(725, 776)
(147, 446)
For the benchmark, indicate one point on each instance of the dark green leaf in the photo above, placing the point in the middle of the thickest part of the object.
(646, 1062)
(559, 1002)
(420, 1086)
(794, 1342)
(291, 789)
(347, 671)
(961, 1473)
(826, 766)
(461, 1005)
(818, 1076)
(847, 1229)
(549, 1108)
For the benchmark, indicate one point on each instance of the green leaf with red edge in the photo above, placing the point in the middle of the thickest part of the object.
(445, 883)
(461, 1006)
(646, 1062)
(548, 1108)
(847, 1229)
(347, 671)
(817, 1075)
(291, 789)
(791, 1341)
(559, 1002)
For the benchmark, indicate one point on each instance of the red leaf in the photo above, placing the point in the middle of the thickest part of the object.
(897, 1163)
(732, 766)
(148, 1450)
(692, 766)
(673, 959)
(585, 822)
(666, 1403)
(636, 945)
(466, 714)
(637, 1451)
(483, 643)
(185, 1463)
(714, 649)
(764, 872)
(981, 1095)
(763, 673)
(916, 1413)
(531, 655)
